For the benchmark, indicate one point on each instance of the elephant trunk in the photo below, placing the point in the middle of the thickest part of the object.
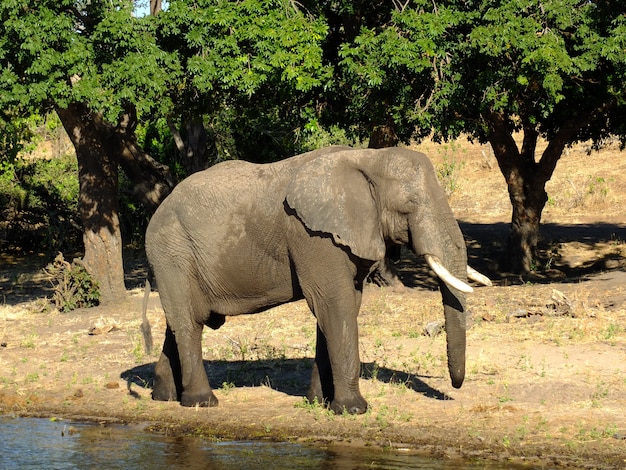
(443, 239)
(455, 317)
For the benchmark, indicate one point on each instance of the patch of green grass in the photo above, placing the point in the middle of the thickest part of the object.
(382, 417)
(30, 342)
(601, 392)
(505, 397)
(138, 350)
(316, 408)
(594, 433)
(227, 387)
(611, 331)
(32, 377)
(448, 172)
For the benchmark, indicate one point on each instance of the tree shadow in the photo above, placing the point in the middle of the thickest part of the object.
(486, 243)
(289, 376)
(601, 240)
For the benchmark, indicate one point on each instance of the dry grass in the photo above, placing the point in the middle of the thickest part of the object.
(584, 187)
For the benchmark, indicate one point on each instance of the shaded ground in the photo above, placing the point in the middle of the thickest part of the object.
(546, 371)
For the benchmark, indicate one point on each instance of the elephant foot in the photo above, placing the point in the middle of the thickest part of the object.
(316, 398)
(355, 406)
(163, 395)
(203, 400)
(164, 390)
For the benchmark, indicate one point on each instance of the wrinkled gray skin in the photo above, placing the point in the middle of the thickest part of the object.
(241, 238)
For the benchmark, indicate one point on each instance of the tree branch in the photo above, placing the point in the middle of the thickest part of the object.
(155, 7)
(152, 180)
(566, 135)
(504, 147)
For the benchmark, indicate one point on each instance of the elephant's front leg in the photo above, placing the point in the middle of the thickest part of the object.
(335, 378)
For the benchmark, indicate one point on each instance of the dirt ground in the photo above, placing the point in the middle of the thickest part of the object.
(546, 355)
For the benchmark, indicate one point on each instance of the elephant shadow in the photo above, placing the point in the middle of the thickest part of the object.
(289, 376)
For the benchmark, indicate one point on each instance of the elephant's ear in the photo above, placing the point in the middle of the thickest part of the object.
(330, 194)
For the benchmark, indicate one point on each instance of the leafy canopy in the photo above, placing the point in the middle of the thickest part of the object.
(449, 65)
(250, 69)
(207, 57)
(241, 46)
(54, 53)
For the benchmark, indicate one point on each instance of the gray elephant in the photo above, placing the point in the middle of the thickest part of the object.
(241, 238)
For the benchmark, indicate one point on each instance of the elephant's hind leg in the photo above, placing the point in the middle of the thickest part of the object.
(195, 383)
(167, 384)
(173, 381)
(180, 372)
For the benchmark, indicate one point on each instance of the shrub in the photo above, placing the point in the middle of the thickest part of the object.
(74, 288)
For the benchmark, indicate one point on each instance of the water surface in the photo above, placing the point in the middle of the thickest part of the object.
(57, 444)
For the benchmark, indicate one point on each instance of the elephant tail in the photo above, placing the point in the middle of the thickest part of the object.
(146, 329)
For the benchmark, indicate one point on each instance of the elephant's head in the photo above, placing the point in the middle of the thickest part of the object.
(368, 199)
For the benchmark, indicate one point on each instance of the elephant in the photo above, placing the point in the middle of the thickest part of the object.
(241, 238)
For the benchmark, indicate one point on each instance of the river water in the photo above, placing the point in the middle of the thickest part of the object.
(37, 443)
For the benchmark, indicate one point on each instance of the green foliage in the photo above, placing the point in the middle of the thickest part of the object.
(271, 78)
(74, 288)
(448, 173)
(53, 181)
(542, 64)
(250, 69)
(394, 71)
(15, 133)
(156, 139)
(38, 204)
(315, 136)
(241, 46)
(57, 52)
(445, 67)
(11, 194)
(420, 66)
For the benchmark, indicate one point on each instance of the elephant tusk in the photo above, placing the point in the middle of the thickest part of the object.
(478, 277)
(445, 275)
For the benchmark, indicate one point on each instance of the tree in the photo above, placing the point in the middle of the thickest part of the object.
(248, 77)
(549, 69)
(96, 66)
(155, 7)
(103, 70)
(544, 69)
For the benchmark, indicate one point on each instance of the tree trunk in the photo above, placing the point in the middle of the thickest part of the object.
(152, 180)
(526, 180)
(383, 136)
(155, 7)
(528, 198)
(196, 155)
(98, 203)
(194, 150)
